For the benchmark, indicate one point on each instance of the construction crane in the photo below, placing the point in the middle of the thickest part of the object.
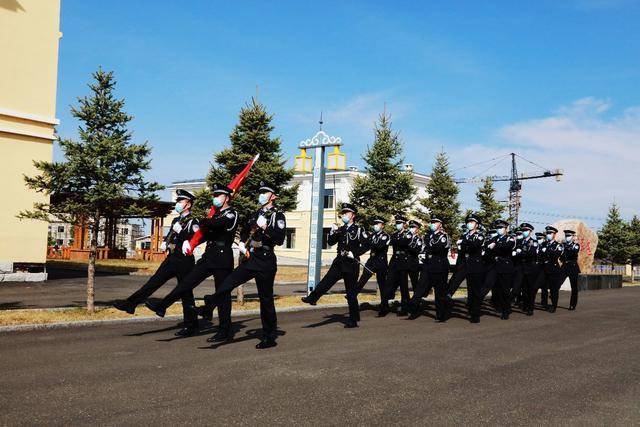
(515, 184)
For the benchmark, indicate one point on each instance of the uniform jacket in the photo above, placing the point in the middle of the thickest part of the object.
(401, 257)
(550, 253)
(174, 240)
(261, 243)
(471, 249)
(379, 247)
(349, 238)
(570, 258)
(436, 249)
(220, 232)
(505, 245)
(530, 248)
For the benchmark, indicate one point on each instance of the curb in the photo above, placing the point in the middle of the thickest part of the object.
(84, 323)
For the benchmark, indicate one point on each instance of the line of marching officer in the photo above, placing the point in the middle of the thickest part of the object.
(259, 236)
(513, 265)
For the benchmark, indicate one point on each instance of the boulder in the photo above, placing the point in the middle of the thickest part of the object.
(587, 238)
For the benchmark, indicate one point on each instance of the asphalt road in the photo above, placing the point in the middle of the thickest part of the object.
(67, 288)
(578, 368)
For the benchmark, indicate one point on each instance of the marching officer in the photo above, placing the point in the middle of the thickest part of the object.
(471, 245)
(415, 252)
(177, 264)
(544, 292)
(435, 272)
(530, 268)
(460, 271)
(551, 276)
(352, 242)
(570, 266)
(377, 262)
(501, 274)
(404, 243)
(518, 270)
(217, 261)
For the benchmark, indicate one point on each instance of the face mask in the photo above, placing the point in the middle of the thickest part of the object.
(263, 199)
(345, 219)
(550, 236)
(413, 230)
(377, 228)
(471, 226)
(494, 234)
(526, 233)
(218, 201)
(433, 226)
(519, 236)
(179, 207)
(399, 227)
(568, 239)
(502, 231)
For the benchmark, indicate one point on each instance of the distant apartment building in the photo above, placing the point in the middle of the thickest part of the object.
(126, 234)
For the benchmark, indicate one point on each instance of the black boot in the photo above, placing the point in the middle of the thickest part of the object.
(125, 305)
(187, 331)
(266, 343)
(505, 315)
(205, 311)
(221, 336)
(350, 324)
(383, 311)
(475, 319)
(157, 307)
(308, 300)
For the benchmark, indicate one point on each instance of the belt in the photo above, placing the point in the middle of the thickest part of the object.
(265, 247)
(218, 243)
(401, 253)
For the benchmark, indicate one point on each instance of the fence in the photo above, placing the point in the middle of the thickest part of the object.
(608, 269)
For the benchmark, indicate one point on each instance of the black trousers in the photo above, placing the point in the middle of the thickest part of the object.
(499, 282)
(530, 283)
(475, 293)
(572, 271)
(200, 272)
(399, 278)
(551, 281)
(264, 282)
(517, 281)
(438, 281)
(350, 277)
(381, 278)
(173, 266)
(457, 278)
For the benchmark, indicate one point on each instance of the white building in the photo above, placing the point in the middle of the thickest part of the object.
(338, 185)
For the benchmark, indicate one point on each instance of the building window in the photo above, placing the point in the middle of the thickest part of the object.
(125, 231)
(61, 229)
(290, 238)
(328, 198)
(325, 238)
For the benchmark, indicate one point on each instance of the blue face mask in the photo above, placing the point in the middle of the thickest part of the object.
(218, 201)
(502, 231)
(433, 226)
(345, 219)
(471, 226)
(399, 226)
(179, 207)
(526, 233)
(550, 236)
(263, 199)
(568, 239)
(377, 227)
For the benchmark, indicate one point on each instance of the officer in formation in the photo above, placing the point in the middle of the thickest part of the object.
(407, 245)
(261, 234)
(352, 241)
(471, 245)
(530, 267)
(551, 276)
(500, 272)
(177, 264)
(377, 263)
(217, 261)
(570, 265)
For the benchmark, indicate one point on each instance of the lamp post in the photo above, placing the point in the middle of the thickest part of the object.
(319, 142)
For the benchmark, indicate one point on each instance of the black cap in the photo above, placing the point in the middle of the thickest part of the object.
(414, 223)
(435, 218)
(500, 223)
(526, 226)
(348, 207)
(184, 194)
(378, 220)
(539, 234)
(265, 186)
(473, 217)
(400, 218)
(550, 229)
(569, 233)
(221, 189)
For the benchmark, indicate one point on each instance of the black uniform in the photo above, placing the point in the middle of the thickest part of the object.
(377, 263)
(530, 273)
(261, 265)
(500, 274)
(220, 232)
(177, 265)
(404, 261)
(435, 273)
(352, 241)
(551, 275)
(471, 249)
(460, 272)
(571, 270)
(518, 273)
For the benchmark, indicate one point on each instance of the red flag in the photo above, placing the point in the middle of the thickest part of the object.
(234, 185)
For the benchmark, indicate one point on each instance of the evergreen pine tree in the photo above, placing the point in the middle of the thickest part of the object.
(102, 174)
(252, 135)
(634, 240)
(490, 208)
(386, 187)
(613, 238)
(442, 197)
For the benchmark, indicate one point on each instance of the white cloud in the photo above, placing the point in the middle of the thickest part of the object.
(598, 151)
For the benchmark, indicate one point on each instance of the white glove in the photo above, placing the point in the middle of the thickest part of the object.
(491, 245)
(242, 248)
(186, 247)
(514, 253)
(544, 249)
(350, 255)
(177, 227)
(518, 251)
(163, 247)
(334, 228)
(261, 221)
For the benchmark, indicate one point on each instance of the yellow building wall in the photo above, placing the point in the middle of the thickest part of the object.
(29, 37)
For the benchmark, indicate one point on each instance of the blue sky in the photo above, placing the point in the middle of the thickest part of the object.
(556, 81)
